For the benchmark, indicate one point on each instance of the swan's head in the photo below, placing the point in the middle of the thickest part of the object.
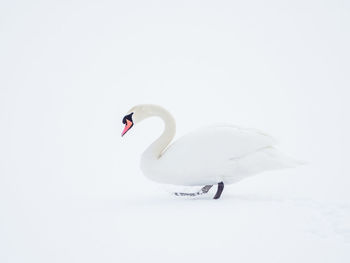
(135, 115)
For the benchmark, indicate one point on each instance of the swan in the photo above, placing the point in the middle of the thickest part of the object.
(215, 155)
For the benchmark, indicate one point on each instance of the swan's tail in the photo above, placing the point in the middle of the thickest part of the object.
(268, 158)
(281, 159)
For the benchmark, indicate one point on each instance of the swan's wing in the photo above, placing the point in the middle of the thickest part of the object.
(243, 129)
(212, 146)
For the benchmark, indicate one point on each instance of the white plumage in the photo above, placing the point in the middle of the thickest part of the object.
(207, 156)
(215, 154)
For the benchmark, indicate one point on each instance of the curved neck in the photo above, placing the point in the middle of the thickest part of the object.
(157, 148)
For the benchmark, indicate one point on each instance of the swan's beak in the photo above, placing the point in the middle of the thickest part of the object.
(128, 125)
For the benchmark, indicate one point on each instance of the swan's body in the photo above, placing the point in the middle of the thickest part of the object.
(215, 154)
(211, 155)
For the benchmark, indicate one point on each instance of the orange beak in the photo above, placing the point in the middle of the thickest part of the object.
(128, 125)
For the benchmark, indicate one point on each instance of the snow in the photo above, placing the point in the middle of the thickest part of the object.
(244, 227)
(71, 189)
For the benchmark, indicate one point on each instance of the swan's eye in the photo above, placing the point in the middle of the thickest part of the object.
(128, 117)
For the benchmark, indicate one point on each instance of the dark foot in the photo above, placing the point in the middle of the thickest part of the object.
(204, 190)
(219, 191)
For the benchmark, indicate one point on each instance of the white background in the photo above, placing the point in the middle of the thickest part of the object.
(70, 187)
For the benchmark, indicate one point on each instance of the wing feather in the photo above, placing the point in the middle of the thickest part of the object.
(211, 146)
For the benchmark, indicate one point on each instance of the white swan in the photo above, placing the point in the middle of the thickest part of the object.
(220, 154)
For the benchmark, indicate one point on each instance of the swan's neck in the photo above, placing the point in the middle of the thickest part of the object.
(157, 148)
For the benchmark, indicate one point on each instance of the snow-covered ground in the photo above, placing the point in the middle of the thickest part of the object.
(70, 187)
(244, 226)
